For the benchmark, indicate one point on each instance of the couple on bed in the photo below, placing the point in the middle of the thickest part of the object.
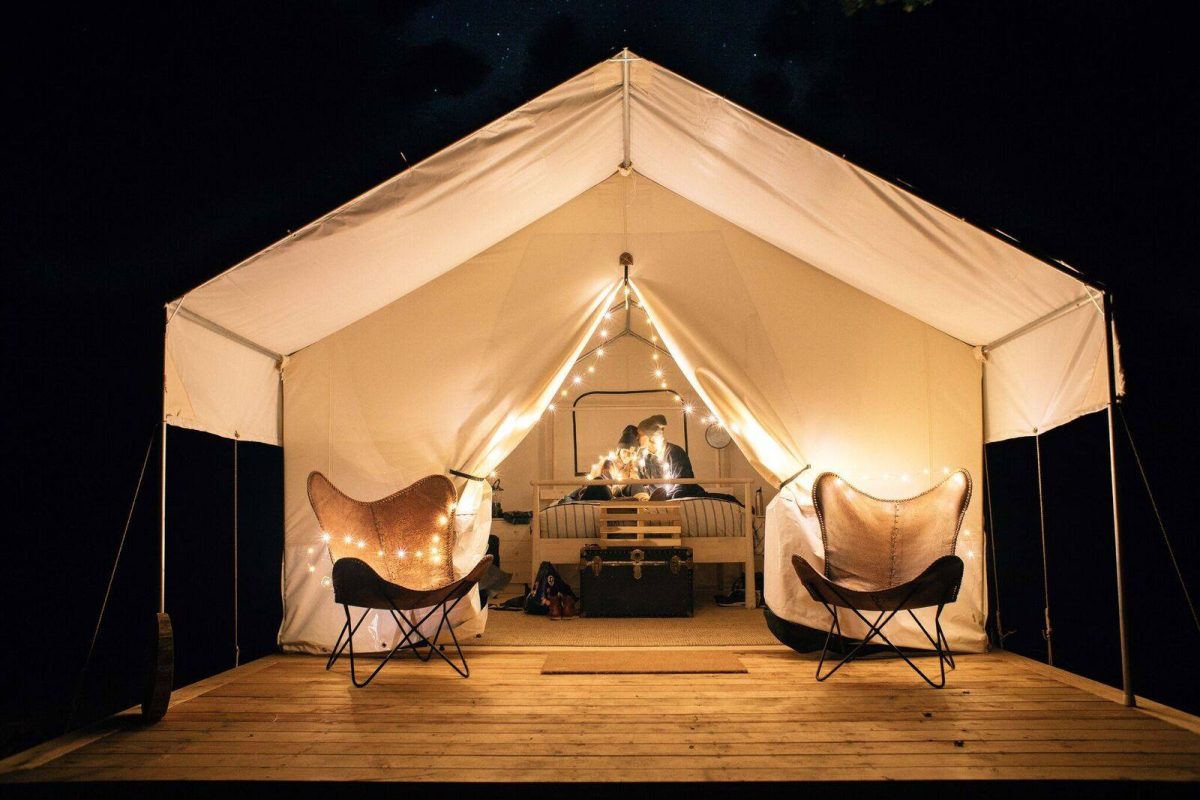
(644, 455)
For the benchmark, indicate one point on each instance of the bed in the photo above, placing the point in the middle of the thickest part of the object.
(718, 531)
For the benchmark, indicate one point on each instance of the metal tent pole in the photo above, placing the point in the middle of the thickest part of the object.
(1048, 630)
(162, 525)
(1122, 617)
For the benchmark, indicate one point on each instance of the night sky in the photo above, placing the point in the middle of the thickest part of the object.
(149, 149)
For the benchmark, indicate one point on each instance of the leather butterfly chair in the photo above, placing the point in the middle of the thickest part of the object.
(887, 556)
(394, 555)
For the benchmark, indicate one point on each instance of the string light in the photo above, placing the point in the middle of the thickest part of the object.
(551, 407)
(576, 380)
(400, 553)
(442, 520)
(436, 538)
(325, 537)
(380, 554)
(349, 539)
(326, 581)
(688, 409)
(678, 399)
(603, 333)
(600, 353)
(419, 554)
(658, 373)
(361, 544)
(655, 356)
(591, 368)
(310, 551)
(563, 393)
(663, 384)
(311, 568)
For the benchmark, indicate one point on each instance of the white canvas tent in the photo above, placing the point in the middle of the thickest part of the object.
(827, 316)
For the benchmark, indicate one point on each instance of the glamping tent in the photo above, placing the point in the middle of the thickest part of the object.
(830, 320)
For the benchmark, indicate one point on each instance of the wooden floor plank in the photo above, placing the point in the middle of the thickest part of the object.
(290, 719)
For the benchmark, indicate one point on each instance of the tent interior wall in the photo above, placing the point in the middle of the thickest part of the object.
(827, 317)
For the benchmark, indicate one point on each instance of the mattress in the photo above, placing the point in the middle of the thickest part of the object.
(702, 517)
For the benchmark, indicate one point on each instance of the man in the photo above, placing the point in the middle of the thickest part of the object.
(665, 460)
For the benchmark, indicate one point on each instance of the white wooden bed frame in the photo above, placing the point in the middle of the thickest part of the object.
(705, 549)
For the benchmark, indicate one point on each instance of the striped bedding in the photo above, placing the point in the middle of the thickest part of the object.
(702, 516)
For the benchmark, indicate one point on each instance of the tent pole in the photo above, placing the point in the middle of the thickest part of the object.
(1047, 631)
(1122, 617)
(162, 526)
(625, 104)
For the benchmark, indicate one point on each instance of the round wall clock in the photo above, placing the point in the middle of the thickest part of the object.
(717, 437)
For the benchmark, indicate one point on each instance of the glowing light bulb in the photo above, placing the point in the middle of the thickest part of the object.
(401, 553)
(658, 373)
(380, 554)
(443, 519)
(925, 471)
(326, 581)
(552, 407)
(603, 334)
(958, 478)
(678, 399)
(966, 532)
(310, 551)
(436, 538)
(600, 353)
(653, 336)
(945, 470)
(607, 315)
(576, 380)
(971, 554)
(655, 356)
(349, 539)
(663, 384)
(563, 393)
(311, 568)
(325, 537)
(361, 544)
(591, 368)
(419, 554)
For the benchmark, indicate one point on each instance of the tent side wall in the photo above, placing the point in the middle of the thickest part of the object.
(415, 387)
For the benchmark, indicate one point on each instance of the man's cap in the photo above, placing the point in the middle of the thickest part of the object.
(629, 437)
(650, 425)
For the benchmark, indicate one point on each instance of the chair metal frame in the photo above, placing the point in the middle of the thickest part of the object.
(936, 586)
(409, 629)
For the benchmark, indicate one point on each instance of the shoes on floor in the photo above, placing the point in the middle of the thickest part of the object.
(555, 606)
(570, 608)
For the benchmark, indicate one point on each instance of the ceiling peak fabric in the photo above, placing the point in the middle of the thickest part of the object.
(809, 203)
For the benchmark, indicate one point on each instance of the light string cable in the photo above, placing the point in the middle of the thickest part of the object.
(1161, 525)
(111, 576)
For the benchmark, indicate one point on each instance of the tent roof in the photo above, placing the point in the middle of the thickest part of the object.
(810, 203)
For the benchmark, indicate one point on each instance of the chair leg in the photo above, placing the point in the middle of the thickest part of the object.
(464, 670)
(876, 629)
(340, 646)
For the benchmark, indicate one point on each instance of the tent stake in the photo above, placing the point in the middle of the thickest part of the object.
(1122, 617)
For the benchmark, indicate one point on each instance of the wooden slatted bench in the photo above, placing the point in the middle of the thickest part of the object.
(625, 522)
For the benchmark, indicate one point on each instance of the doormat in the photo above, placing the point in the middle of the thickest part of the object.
(632, 662)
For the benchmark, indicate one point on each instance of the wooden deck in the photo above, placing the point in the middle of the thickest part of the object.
(286, 718)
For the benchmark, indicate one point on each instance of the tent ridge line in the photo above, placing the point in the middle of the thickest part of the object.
(1042, 320)
(228, 334)
(897, 183)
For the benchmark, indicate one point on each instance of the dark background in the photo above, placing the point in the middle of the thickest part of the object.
(149, 149)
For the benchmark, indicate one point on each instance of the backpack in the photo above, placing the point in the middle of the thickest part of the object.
(547, 583)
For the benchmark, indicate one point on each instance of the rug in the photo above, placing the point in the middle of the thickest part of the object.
(637, 662)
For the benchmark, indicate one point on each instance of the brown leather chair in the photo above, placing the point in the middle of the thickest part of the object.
(394, 555)
(887, 556)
